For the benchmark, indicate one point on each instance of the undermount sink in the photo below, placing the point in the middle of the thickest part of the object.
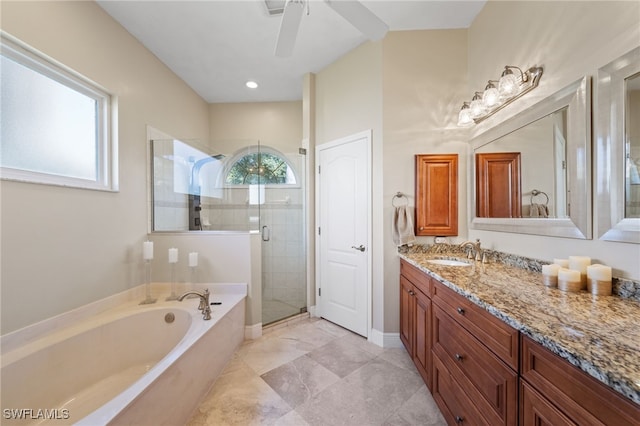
(448, 262)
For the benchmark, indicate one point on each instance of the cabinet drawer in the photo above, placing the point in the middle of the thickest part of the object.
(499, 337)
(489, 382)
(579, 396)
(455, 405)
(420, 279)
(536, 410)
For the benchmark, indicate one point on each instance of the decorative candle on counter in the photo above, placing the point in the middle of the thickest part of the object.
(599, 280)
(562, 262)
(550, 275)
(193, 259)
(147, 250)
(569, 280)
(173, 255)
(580, 263)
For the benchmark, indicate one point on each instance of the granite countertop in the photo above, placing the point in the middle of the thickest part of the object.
(598, 334)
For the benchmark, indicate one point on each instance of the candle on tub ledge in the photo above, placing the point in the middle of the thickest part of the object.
(550, 275)
(173, 255)
(599, 280)
(564, 263)
(580, 263)
(569, 280)
(193, 259)
(147, 250)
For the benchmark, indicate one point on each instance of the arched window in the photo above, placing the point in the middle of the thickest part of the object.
(264, 167)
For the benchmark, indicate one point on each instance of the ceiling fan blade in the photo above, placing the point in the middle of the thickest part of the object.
(289, 27)
(360, 17)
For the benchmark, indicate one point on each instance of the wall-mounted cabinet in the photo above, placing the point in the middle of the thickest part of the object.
(437, 194)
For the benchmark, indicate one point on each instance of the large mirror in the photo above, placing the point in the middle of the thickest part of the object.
(618, 150)
(532, 172)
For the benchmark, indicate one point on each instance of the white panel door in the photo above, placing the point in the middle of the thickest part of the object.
(344, 181)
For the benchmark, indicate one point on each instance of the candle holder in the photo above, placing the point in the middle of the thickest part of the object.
(550, 280)
(599, 287)
(147, 284)
(569, 286)
(174, 295)
(192, 279)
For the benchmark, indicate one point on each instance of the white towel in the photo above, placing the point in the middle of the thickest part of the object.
(402, 227)
(538, 210)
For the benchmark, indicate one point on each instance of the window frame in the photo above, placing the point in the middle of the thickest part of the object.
(259, 149)
(106, 121)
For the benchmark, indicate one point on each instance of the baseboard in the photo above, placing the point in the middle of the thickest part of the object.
(385, 340)
(252, 332)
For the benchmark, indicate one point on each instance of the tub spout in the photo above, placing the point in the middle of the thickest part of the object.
(204, 302)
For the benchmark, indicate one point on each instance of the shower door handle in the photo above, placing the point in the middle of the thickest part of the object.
(266, 233)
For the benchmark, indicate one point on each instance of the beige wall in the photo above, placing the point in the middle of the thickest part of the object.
(570, 40)
(424, 80)
(349, 100)
(62, 247)
(276, 124)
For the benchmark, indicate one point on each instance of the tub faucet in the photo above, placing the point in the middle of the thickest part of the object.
(204, 302)
(476, 250)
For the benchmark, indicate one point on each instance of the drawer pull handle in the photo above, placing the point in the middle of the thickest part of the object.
(461, 311)
(459, 357)
(459, 419)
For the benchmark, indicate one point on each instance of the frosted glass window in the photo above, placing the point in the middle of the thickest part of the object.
(54, 123)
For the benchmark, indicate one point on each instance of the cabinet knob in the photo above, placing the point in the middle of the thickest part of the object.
(412, 293)
(459, 419)
(460, 311)
(459, 357)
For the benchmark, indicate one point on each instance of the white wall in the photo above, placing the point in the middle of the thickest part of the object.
(570, 40)
(62, 247)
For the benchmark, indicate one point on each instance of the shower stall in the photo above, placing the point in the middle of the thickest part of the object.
(256, 189)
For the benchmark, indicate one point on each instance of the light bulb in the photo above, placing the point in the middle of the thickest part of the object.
(464, 116)
(491, 97)
(476, 108)
(508, 85)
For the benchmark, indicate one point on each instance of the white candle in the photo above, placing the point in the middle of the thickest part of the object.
(579, 263)
(147, 250)
(193, 259)
(565, 274)
(562, 262)
(173, 255)
(551, 270)
(599, 272)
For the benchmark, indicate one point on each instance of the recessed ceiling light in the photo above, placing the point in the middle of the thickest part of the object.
(252, 84)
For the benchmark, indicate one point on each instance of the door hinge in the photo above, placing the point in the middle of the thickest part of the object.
(319, 292)
(318, 169)
(318, 230)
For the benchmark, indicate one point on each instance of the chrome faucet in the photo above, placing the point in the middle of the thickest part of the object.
(204, 302)
(475, 248)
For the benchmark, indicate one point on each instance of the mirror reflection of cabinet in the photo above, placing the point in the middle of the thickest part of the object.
(437, 194)
(498, 182)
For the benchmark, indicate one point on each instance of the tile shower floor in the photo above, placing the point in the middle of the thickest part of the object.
(313, 372)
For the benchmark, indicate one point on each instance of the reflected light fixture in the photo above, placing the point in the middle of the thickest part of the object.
(510, 87)
(251, 84)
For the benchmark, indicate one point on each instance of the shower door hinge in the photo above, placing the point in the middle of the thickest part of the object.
(302, 151)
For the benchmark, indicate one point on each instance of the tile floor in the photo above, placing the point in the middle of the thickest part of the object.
(313, 372)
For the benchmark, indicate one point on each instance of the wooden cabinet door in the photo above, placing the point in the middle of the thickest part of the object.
(422, 342)
(498, 192)
(536, 410)
(437, 194)
(407, 302)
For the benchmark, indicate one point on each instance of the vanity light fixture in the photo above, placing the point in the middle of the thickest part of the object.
(510, 87)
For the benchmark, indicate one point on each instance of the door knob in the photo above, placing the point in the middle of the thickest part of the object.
(361, 248)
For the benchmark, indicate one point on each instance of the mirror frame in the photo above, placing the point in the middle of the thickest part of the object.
(610, 152)
(577, 98)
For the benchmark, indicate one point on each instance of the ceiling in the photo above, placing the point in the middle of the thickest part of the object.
(215, 46)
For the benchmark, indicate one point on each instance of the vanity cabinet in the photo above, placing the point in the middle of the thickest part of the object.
(436, 194)
(555, 392)
(476, 350)
(415, 317)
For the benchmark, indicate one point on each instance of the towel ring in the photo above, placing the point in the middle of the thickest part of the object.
(535, 193)
(399, 195)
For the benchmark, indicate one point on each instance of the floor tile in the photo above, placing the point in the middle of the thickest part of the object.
(297, 381)
(341, 357)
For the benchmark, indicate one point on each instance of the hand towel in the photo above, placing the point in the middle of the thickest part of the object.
(402, 227)
(538, 210)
